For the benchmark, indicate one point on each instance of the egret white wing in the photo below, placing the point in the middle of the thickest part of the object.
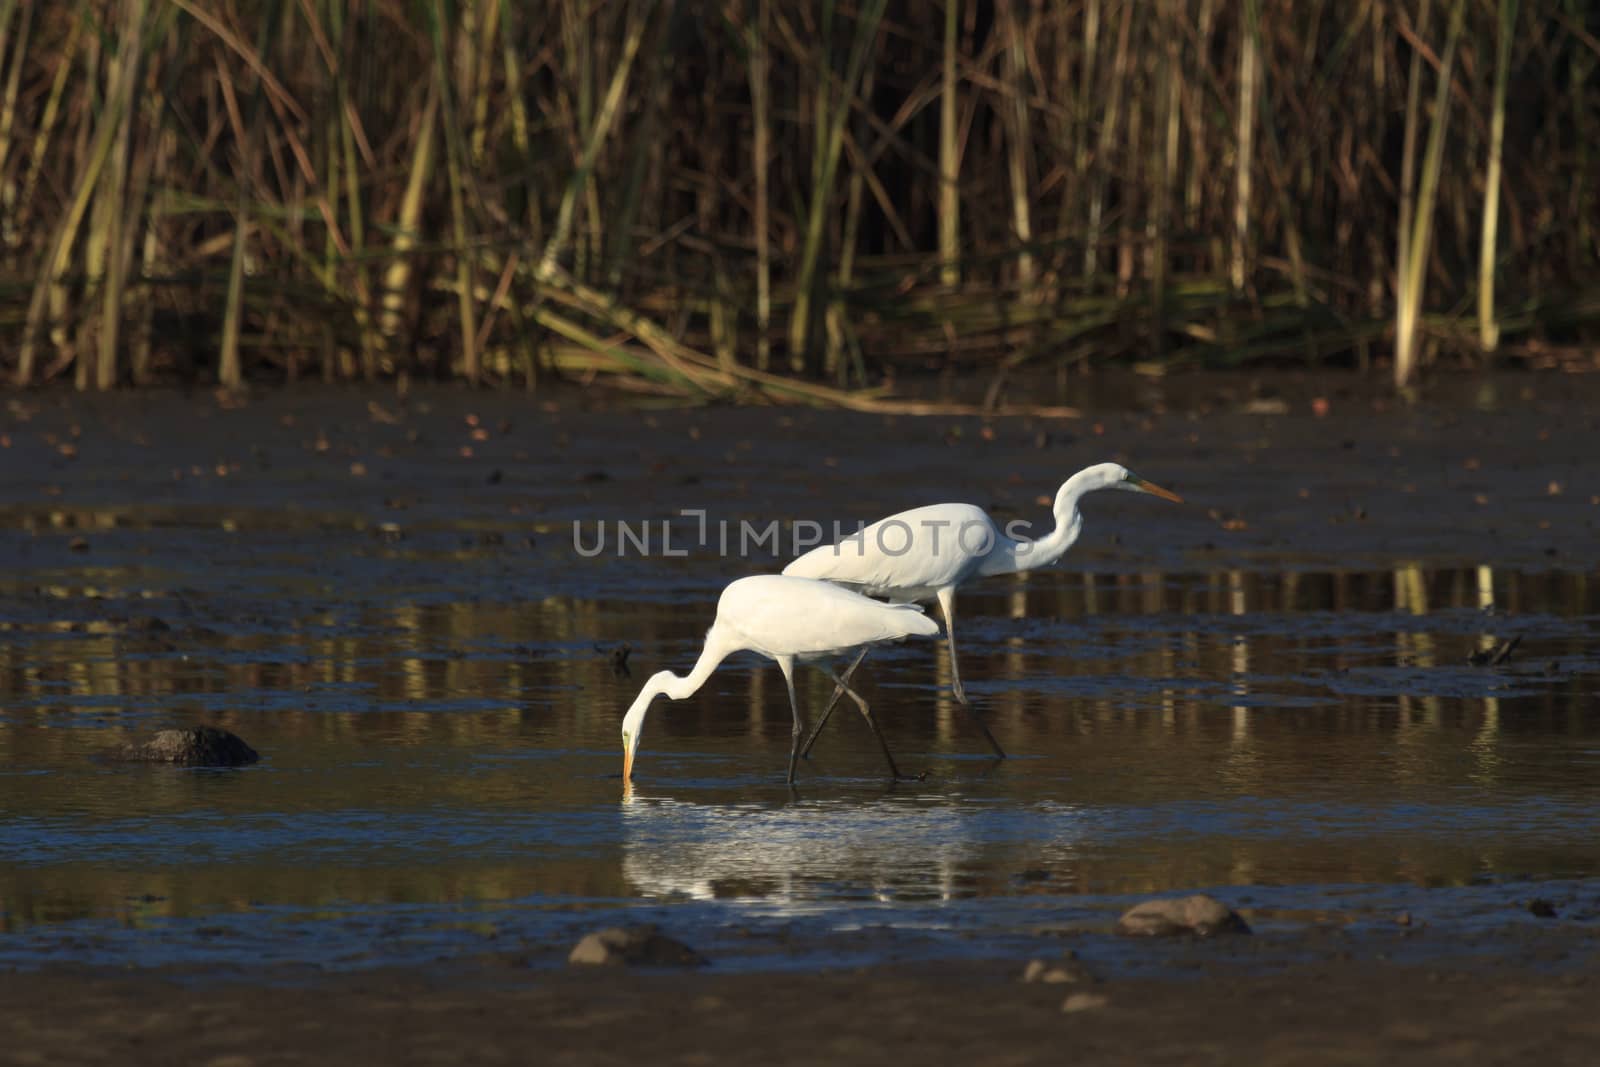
(911, 553)
(786, 616)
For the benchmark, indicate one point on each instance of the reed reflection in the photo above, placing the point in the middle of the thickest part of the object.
(1051, 648)
(460, 748)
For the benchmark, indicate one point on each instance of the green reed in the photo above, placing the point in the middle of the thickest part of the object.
(682, 195)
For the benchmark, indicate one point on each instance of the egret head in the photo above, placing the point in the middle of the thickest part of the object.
(633, 721)
(1133, 483)
(1116, 476)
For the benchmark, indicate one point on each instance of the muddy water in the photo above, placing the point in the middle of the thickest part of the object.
(432, 674)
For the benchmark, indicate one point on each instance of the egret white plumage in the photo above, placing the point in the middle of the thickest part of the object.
(926, 553)
(786, 619)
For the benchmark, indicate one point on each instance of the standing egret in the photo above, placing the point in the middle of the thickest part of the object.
(925, 553)
(784, 619)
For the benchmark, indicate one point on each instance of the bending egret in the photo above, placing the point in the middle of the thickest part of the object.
(784, 619)
(925, 553)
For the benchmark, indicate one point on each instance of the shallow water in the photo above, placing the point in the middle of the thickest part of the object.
(442, 763)
(437, 704)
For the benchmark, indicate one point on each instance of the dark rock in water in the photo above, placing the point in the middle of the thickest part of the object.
(634, 945)
(1198, 914)
(148, 624)
(202, 746)
(1494, 657)
(619, 661)
(1541, 908)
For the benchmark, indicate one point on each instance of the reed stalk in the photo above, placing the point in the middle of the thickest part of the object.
(122, 222)
(760, 153)
(248, 133)
(1408, 152)
(1583, 68)
(1109, 130)
(949, 155)
(1413, 266)
(1136, 164)
(1083, 108)
(13, 73)
(1195, 184)
(832, 143)
(1249, 84)
(1283, 196)
(397, 276)
(626, 215)
(1019, 142)
(456, 160)
(48, 289)
(840, 337)
(597, 131)
(1488, 325)
(478, 54)
(1170, 81)
(49, 119)
(230, 366)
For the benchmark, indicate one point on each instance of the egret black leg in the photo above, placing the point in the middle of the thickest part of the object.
(838, 691)
(947, 604)
(867, 714)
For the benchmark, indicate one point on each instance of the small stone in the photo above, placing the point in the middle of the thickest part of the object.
(1541, 908)
(1198, 914)
(1040, 971)
(1403, 919)
(1077, 1002)
(642, 945)
(202, 746)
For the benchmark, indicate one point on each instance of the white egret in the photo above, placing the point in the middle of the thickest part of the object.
(784, 619)
(925, 553)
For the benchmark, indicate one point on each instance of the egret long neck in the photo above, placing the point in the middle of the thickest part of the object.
(1011, 556)
(717, 648)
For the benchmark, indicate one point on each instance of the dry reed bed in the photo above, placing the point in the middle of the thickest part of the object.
(754, 199)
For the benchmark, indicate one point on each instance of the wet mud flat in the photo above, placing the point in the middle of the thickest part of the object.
(1322, 469)
(1266, 693)
(1293, 999)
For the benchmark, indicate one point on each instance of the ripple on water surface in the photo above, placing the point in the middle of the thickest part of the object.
(439, 726)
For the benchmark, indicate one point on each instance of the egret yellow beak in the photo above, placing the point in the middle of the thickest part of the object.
(1155, 490)
(627, 762)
